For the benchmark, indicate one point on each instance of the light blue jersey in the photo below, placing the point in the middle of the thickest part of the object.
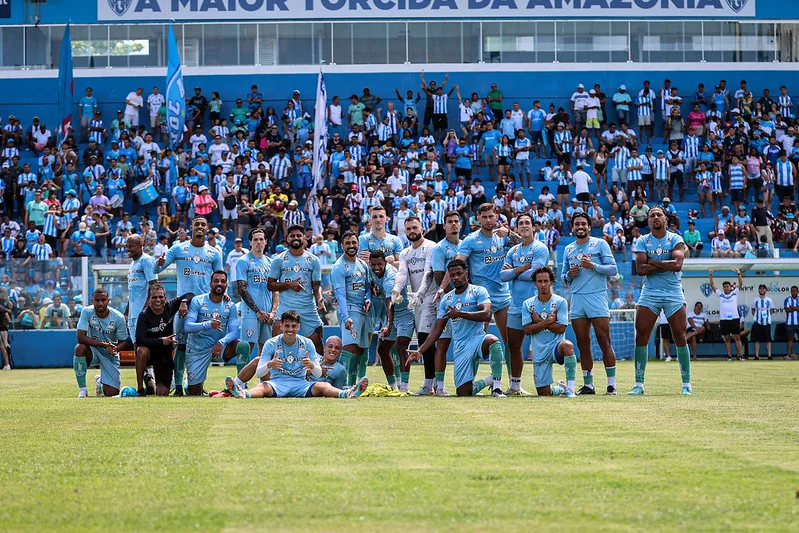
(662, 290)
(202, 311)
(536, 254)
(403, 324)
(109, 329)
(291, 356)
(307, 269)
(354, 278)
(468, 301)
(443, 253)
(544, 342)
(194, 266)
(486, 256)
(140, 273)
(589, 280)
(256, 272)
(390, 244)
(334, 374)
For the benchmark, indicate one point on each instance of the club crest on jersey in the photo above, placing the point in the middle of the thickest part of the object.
(735, 5)
(544, 315)
(706, 290)
(196, 259)
(743, 310)
(120, 7)
(215, 315)
(296, 268)
(458, 305)
(493, 249)
(250, 332)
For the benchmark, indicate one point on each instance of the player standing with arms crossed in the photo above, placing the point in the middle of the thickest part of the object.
(588, 262)
(383, 277)
(102, 332)
(379, 238)
(468, 307)
(350, 278)
(521, 263)
(545, 318)
(195, 262)
(659, 256)
(212, 327)
(141, 276)
(414, 263)
(484, 251)
(296, 275)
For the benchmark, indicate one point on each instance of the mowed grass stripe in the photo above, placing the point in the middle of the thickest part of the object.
(724, 458)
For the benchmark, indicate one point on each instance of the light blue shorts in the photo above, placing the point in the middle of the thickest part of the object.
(669, 304)
(403, 326)
(360, 325)
(197, 366)
(254, 331)
(499, 301)
(515, 318)
(447, 333)
(291, 388)
(542, 365)
(591, 305)
(466, 357)
(309, 320)
(109, 366)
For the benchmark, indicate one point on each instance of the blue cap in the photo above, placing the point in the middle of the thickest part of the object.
(280, 248)
(128, 392)
(72, 192)
(78, 297)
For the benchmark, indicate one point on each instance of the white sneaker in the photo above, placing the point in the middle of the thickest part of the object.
(98, 387)
(669, 359)
(497, 393)
(424, 391)
(7, 367)
(442, 392)
(82, 393)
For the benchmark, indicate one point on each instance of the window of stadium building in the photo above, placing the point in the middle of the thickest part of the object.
(398, 42)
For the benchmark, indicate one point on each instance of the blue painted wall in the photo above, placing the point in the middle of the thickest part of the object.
(28, 97)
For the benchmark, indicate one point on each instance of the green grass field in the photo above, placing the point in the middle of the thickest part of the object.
(726, 458)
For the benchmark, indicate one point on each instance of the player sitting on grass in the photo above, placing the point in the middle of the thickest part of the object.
(289, 359)
(155, 337)
(102, 332)
(468, 307)
(544, 318)
(212, 327)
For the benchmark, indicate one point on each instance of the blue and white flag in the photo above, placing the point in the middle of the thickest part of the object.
(175, 94)
(66, 88)
(320, 134)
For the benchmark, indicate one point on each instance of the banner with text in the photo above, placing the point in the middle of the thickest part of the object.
(266, 10)
(698, 290)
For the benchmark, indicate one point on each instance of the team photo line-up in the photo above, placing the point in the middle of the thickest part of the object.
(445, 292)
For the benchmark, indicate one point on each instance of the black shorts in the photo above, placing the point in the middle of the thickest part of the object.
(536, 137)
(736, 195)
(730, 327)
(565, 158)
(783, 191)
(760, 333)
(563, 189)
(676, 177)
(503, 160)
(440, 121)
(665, 332)
(465, 172)
(584, 197)
(163, 365)
(791, 332)
(647, 178)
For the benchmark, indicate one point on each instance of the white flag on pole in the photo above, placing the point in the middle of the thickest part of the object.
(320, 134)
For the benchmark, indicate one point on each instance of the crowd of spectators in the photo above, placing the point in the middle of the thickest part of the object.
(725, 153)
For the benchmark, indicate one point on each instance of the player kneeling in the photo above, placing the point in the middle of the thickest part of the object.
(545, 317)
(290, 359)
(468, 307)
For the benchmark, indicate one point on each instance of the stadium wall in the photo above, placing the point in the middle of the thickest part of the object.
(29, 93)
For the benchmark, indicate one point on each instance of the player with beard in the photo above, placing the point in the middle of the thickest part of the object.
(659, 256)
(588, 262)
(141, 276)
(257, 307)
(350, 279)
(443, 252)
(102, 332)
(484, 250)
(296, 275)
(212, 327)
(195, 262)
(521, 262)
(414, 264)
(468, 307)
(290, 359)
(155, 337)
(398, 325)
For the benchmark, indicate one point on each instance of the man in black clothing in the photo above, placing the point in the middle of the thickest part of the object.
(155, 337)
(201, 103)
(92, 150)
(761, 222)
